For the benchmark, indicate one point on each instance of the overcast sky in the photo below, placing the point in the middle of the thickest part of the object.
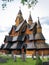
(8, 16)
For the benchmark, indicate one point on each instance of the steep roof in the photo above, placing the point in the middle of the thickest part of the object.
(38, 24)
(19, 26)
(39, 36)
(8, 46)
(5, 46)
(13, 27)
(21, 38)
(15, 38)
(30, 37)
(41, 45)
(30, 18)
(19, 45)
(2, 46)
(20, 12)
(19, 16)
(8, 38)
(31, 45)
(30, 27)
(14, 46)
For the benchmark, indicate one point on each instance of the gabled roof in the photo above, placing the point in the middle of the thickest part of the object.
(39, 36)
(19, 26)
(30, 18)
(5, 45)
(30, 37)
(13, 27)
(30, 27)
(30, 45)
(19, 45)
(21, 38)
(19, 16)
(2, 46)
(8, 38)
(41, 45)
(38, 24)
(15, 38)
(14, 46)
(8, 46)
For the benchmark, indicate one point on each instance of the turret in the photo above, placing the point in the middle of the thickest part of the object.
(39, 28)
(30, 21)
(19, 18)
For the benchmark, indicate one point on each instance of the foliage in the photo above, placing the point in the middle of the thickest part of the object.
(29, 3)
(38, 61)
(48, 58)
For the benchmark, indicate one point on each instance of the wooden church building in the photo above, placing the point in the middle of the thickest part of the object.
(25, 37)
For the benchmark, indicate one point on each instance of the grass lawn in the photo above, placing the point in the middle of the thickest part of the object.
(10, 61)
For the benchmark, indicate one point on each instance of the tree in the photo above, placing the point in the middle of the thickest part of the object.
(30, 3)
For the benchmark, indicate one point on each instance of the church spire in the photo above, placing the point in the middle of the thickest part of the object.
(39, 28)
(20, 13)
(30, 21)
(19, 18)
(38, 24)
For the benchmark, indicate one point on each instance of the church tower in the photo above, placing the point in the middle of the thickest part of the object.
(30, 21)
(39, 36)
(39, 28)
(19, 18)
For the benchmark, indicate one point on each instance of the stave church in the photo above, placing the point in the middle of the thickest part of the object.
(25, 36)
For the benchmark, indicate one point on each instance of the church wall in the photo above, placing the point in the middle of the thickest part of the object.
(43, 52)
(40, 52)
(30, 52)
(16, 51)
(4, 51)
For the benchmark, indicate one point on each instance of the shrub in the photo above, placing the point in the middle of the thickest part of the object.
(38, 61)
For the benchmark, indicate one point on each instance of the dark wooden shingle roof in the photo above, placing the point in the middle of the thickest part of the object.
(2, 46)
(39, 36)
(30, 37)
(8, 38)
(31, 45)
(21, 38)
(14, 46)
(41, 46)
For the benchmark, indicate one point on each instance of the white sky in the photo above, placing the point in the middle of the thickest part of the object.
(8, 16)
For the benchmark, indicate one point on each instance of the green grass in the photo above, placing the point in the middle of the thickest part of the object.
(29, 61)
